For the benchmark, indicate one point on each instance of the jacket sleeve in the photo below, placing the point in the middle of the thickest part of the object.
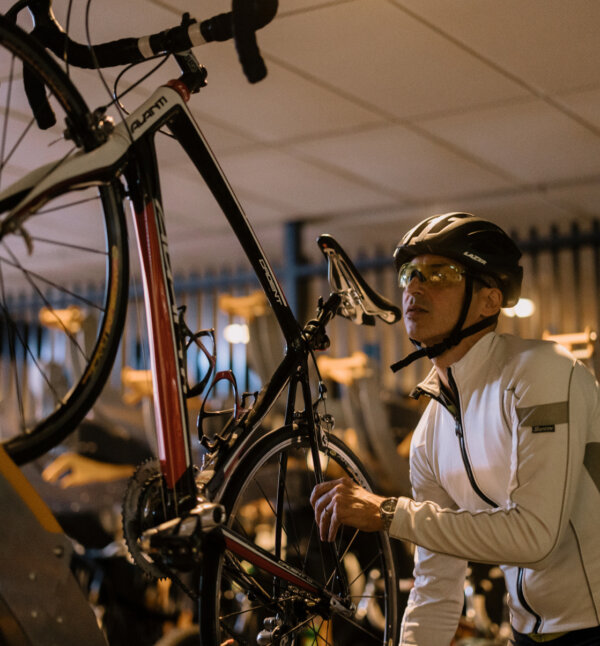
(436, 600)
(549, 410)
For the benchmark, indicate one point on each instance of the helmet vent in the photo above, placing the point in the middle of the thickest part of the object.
(445, 221)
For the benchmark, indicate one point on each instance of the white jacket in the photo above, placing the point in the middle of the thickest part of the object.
(523, 491)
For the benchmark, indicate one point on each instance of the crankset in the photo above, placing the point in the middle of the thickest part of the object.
(144, 507)
(157, 544)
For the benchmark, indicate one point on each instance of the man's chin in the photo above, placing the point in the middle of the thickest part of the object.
(422, 338)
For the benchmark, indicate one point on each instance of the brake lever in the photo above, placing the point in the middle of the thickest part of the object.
(245, 19)
(36, 96)
(34, 88)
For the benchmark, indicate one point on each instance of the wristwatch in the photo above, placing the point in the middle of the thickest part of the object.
(386, 512)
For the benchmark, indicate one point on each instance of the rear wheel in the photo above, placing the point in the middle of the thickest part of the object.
(64, 274)
(244, 603)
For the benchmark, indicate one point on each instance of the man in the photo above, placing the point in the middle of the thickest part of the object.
(505, 462)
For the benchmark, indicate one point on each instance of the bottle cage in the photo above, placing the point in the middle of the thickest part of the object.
(360, 303)
(229, 416)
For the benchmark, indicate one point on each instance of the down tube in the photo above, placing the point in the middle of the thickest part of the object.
(193, 142)
(168, 383)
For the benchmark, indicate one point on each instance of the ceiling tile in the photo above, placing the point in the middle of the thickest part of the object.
(530, 140)
(306, 189)
(220, 249)
(516, 212)
(376, 53)
(582, 200)
(282, 106)
(550, 44)
(402, 161)
(586, 104)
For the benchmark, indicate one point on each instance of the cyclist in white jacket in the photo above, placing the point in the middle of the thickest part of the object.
(505, 462)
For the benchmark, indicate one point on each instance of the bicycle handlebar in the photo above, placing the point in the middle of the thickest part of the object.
(240, 24)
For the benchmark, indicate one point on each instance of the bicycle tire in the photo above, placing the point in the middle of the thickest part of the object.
(53, 369)
(228, 611)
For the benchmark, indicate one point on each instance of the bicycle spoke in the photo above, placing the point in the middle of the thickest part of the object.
(299, 625)
(274, 512)
(66, 245)
(236, 574)
(13, 357)
(365, 569)
(61, 288)
(18, 141)
(26, 348)
(67, 205)
(241, 612)
(53, 311)
(6, 116)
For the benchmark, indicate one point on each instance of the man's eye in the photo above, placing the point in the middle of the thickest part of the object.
(437, 277)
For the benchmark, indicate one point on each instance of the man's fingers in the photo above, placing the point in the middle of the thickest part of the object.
(327, 501)
(322, 505)
(334, 525)
(321, 489)
(58, 467)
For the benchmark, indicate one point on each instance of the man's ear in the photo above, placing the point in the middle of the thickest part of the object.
(492, 300)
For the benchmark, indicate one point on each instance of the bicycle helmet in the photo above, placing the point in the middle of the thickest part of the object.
(484, 250)
(480, 246)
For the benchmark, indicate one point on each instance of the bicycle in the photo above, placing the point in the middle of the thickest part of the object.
(241, 520)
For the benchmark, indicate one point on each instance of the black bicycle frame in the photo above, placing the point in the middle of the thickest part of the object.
(170, 382)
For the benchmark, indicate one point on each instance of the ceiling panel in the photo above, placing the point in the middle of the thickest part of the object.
(404, 162)
(531, 140)
(304, 188)
(584, 104)
(552, 45)
(283, 106)
(378, 54)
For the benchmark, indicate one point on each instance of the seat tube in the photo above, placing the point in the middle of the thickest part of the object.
(166, 355)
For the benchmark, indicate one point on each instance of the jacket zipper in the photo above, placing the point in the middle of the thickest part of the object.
(523, 601)
(458, 429)
(463, 450)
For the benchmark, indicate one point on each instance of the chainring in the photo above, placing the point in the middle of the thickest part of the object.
(144, 507)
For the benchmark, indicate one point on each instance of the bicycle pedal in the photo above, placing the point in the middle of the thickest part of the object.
(177, 541)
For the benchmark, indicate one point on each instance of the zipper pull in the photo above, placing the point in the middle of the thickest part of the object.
(458, 427)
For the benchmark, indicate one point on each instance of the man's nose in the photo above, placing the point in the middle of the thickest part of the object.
(415, 282)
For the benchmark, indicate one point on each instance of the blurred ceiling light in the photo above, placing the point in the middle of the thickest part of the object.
(523, 309)
(236, 333)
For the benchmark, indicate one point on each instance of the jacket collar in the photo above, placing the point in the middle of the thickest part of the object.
(464, 369)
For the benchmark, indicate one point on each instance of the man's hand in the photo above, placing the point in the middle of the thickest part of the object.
(343, 502)
(72, 469)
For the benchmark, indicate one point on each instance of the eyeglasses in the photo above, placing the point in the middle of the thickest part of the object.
(437, 275)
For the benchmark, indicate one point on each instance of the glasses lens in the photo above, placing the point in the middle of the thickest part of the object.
(437, 275)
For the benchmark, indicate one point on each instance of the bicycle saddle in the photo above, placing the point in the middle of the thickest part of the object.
(360, 303)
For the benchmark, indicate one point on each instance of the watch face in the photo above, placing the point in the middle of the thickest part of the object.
(388, 506)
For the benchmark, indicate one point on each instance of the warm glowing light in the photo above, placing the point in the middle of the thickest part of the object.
(523, 309)
(236, 333)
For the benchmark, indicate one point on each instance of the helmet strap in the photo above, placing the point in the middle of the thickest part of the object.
(456, 335)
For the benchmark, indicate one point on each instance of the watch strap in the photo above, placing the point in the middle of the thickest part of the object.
(386, 512)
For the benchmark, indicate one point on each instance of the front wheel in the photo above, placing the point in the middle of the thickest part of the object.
(64, 271)
(243, 603)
